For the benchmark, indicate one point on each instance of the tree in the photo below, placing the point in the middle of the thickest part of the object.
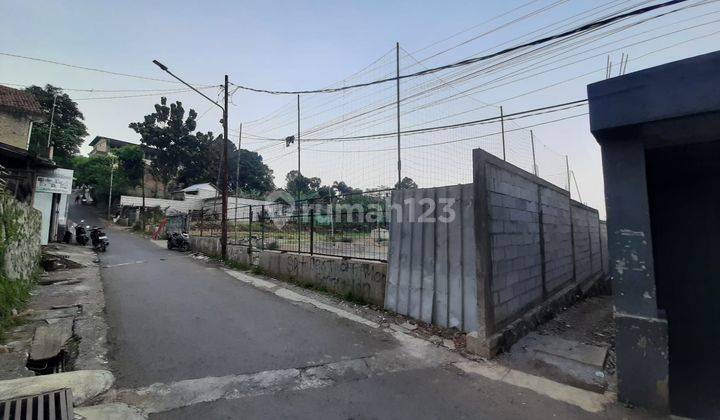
(168, 132)
(300, 186)
(198, 165)
(131, 163)
(94, 171)
(406, 184)
(68, 129)
(255, 176)
(205, 165)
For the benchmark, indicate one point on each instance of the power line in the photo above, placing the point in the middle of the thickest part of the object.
(43, 60)
(93, 90)
(462, 63)
(455, 140)
(512, 116)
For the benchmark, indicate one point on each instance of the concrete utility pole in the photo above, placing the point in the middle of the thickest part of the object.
(52, 118)
(142, 210)
(502, 130)
(532, 144)
(112, 169)
(237, 178)
(223, 220)
(297, 179)
(397, 106)
(224, 107)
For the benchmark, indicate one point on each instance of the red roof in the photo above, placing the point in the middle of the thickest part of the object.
(19, 101)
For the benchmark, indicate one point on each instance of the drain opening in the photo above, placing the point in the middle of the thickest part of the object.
(55, 405)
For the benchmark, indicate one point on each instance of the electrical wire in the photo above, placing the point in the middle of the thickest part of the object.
(579, 29)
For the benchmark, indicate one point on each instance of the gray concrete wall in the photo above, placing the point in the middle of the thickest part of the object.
(557, 240)
(515, 242)
(541, 241)
(431, 263)
(211, 246)
(605, 254)
(365, 280)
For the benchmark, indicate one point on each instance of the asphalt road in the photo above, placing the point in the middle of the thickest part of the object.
(173, 318)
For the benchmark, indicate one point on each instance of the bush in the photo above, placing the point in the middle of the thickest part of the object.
(13, 295)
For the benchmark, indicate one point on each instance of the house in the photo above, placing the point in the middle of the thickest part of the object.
(201, 191)
(104, 145)
(199, 197)
(18, 111)
(32, 179)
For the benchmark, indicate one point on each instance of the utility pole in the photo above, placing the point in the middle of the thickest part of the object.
(298, 143)
(223, 220)
(297, 179)
(237, 176)
(502, 130)
(112, 169)
(52, 118)
(142, 211)
(532, 144)
(397, 106)
(567, 170)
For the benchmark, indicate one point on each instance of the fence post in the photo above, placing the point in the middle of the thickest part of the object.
(262, 226)
(202, 220)
(235, 225)
(250, 229)
(312, 230)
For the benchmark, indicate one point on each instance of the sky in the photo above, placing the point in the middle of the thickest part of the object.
(296, 45)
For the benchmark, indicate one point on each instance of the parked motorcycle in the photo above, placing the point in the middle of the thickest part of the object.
(81, 236)
(67, 236)
(99, 239)
(180, 241)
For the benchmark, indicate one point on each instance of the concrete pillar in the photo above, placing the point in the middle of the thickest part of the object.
(641, 340)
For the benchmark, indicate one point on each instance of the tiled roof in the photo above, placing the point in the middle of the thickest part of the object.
(19, 101)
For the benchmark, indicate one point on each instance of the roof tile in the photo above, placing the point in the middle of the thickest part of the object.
(19, 101)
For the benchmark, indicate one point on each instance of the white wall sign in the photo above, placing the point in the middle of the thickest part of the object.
(58, 181)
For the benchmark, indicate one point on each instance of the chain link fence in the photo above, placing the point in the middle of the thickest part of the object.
(351, 225)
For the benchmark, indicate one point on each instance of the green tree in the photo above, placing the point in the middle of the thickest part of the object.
(300, 186)
(130, 159)
(169, 132)
(406, 184)
(255, 176)
(68, 128)
(205, 165)
(94, 171)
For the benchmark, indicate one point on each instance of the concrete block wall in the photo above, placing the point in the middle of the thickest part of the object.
(514, 220)
(558, 245)
(536, 248)
(581, 242)
(604, 254)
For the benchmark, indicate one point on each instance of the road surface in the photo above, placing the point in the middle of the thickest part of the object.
(188, 340)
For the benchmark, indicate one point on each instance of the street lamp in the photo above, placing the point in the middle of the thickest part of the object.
(52, 118)
(113, 165)
(223, 220)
